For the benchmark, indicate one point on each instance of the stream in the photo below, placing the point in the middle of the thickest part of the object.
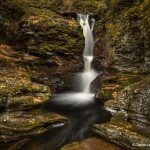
(78, 106)
(81, 118)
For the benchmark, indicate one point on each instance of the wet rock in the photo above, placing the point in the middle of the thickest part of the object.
(25, 102)
(2, 31)
(93, 143)
(102, 53)
(20, 99)
(41, 39)
(29, 58)
(21, 124)
(95, 84)
(17, 90)
(46, 31)
(126, 34)
(42, 42)
(134, 101)
(122, 136)
(128, 101)
(18, 145)
(69, 83)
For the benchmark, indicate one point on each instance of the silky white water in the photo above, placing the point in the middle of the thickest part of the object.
(81, 93)
(89, 74)
(88, 26)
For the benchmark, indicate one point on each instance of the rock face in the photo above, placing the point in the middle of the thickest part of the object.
(42, 39)
(93, 143)
(123, 136)
(122, 53)
(20, 101)
(124, 36)
(36, 44)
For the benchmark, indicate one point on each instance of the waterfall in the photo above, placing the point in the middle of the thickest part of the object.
(89, 74)
(88, 26)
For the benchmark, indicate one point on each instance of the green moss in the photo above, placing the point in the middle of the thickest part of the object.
(18, 82)
(44, 4)
(117, 6)
(113, 85)
(119, 120)
(16, 7)
(106, 94)
(51, 47)
(145, 81)
(25, 75)
(63, 45)
(4, 60)
(121, 15)
(56, 3)
(89, 6)
(127, 79)
(45, 48)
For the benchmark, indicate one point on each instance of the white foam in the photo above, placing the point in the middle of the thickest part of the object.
(74, 98)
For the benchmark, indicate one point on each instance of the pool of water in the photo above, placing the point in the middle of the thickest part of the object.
(82, 112)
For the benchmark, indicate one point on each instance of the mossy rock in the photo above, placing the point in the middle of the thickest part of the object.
(89, 6)
(114, 84)
(21, 124)
(121, 135)
(18, 92)
(134, 97)
(16, 8)
(126, 24)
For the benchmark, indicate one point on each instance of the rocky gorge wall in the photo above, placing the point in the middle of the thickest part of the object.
(36, 44)
(124, 58)
(39, 38)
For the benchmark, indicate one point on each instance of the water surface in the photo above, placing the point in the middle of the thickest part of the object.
(82, 112)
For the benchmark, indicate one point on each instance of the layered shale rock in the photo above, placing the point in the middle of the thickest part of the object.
(20, 102)
(127, 98)
(122, 54)
(42, 38)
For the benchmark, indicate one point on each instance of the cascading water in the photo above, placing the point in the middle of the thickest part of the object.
(78, 106)
(89, 74)
(88, 26)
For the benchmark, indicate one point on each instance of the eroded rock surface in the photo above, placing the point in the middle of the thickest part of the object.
(43, 39)
(93, 143)
(40, 38)
(122, 53)
(20, 102)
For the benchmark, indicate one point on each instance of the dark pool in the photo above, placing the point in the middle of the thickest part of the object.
(82, 112)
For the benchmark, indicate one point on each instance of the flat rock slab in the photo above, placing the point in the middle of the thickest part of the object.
(21, 124)
(122, 136)
(93, 143)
